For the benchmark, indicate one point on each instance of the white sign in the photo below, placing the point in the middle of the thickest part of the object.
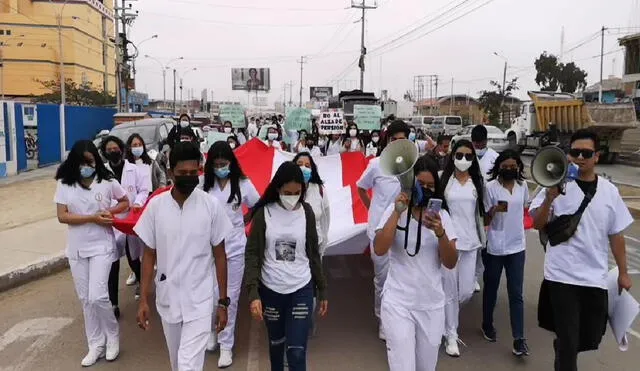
(260, 101)
(331, 122)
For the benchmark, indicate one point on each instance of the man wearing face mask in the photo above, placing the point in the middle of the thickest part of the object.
(179, 228)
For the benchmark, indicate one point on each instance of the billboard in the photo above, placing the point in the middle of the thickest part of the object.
(250, 79)
(320, 93)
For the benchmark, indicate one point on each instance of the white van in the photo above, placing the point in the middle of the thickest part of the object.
(422, 122)
(450, 125)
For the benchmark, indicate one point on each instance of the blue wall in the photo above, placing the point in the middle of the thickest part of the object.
(48, 134)
(86, 122)
(7, 137)
(21, 147)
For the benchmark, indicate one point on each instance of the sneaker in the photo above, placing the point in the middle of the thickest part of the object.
(381, 334)
(131, 280)
(520, 348)
(113, 350)
(226, 358)
(116, 311)
(92, 357)
(451, 346)
(212, 343)
(137, 294)
(489, 334)
(476, 287)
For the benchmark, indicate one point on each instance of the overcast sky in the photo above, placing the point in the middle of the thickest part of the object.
(216, 35)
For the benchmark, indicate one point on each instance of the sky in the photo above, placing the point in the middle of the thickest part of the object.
(454, 39)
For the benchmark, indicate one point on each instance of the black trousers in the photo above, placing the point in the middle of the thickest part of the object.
(578, 316)
(114, 275)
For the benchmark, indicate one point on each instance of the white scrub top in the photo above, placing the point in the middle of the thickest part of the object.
(463, 203)
(89, 239)
(334, 148)
(583, 259)
(236, 240)
(487, 162)
(385, 191)
(415, 282)
(183, 239)
(136, 181)
(320, 205)
(505, 235)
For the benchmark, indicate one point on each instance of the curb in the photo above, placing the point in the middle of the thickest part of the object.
(32, 272)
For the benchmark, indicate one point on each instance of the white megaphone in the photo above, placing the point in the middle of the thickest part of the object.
(550, 167)
(397, 159)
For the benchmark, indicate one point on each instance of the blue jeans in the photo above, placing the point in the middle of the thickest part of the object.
(287, 317)
(514, 267)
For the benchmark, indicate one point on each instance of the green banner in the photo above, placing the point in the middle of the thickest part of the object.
(233, 113)
(367, 117)
(216, 136)
(298, 119)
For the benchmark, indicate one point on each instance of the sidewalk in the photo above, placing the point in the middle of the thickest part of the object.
(37, 174)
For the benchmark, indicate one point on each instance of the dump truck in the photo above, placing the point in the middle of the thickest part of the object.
(551, 118)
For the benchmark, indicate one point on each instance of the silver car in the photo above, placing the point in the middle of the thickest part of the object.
(497, 140)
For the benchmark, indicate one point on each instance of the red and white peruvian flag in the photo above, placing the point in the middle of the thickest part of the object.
(347, 231)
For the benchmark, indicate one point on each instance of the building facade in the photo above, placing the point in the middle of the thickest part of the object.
(31, 51)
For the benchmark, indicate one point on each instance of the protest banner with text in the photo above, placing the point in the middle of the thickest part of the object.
(331, 122)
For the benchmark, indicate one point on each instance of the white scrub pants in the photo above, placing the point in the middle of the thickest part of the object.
(91, 277)
(413, 337)
(380, 270)
(187, 343)
(458, 284)
(235, 272)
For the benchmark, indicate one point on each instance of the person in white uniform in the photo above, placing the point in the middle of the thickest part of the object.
(334, 145)
(283, 267)
(385, 190)
(464, 191)
(184, 232)
(84, 200)
(353, 142)
(225, 181)
(418, 241)
(507, 194)
(372, 146)
(573, 296)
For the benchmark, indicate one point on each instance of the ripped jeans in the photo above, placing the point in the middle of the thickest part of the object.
(287, 317)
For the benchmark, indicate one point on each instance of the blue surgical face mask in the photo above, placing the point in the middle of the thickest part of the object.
(306, 173)
(412, 136)
(87, 171)
(137, 151)
(222, 172)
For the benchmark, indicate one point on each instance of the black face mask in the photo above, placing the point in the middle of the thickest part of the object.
(114, 157)
(509, 174)
(423, 196)
(186, 184)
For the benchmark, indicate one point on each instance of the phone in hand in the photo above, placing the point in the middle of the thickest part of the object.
(503, 206)
(434, 206)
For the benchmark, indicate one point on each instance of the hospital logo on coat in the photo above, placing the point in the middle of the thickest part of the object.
(131, 189)
(98, 197)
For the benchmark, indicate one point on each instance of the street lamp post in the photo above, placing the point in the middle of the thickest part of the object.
(2, 45)
(164, 67)
(136, 55)
(183, 75)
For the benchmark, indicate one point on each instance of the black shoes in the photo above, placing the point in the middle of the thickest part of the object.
(520, 348)
(489, 334)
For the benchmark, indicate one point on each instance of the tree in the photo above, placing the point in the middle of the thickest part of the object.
(555, 76)
(79, 95)
(491, 101)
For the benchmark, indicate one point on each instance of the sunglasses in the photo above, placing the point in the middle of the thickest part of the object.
(467, 156)
(586, 153)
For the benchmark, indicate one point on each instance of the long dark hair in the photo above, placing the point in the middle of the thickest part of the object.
(428, 164)
(129, 155)
(69, 171)
(111, 138)
(374, 144)
(474, 171)
(505, 155)
(315, 176)
(222, 150)
(287, 172)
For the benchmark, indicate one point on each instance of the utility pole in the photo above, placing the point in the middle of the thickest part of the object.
(174, 91)
(181, 101)
(290, 93)
(63, 91)
(363, 49)
(601, 63)
(452, 100)
(302, 62)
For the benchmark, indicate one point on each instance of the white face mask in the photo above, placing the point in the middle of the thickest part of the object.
(375, 139)
(184, 124)
(289, 202)
(462, 165)
(481, 152)
(227, 130)
(232, 145)
(353, 133)
(272, 136)
(321, 143)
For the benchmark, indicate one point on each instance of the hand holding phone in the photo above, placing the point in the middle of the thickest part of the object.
(434, 206)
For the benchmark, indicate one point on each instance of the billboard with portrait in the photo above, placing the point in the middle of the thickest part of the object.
(320, 93)
(250, 79)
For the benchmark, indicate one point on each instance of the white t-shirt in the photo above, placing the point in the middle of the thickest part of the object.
(385, 190)
(183, 239)
(371, 150)
(286, 266)
(89, 239)
(463, 201)
(415, 282)
(505, 235)
(252, 130)
(487, 162)
(582, 260)
(320, 205)
(335, 148)
(236, 241)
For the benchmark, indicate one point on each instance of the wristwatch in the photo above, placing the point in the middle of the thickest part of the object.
(224, 302)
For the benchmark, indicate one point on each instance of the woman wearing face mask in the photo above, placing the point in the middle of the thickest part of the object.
(464, 191)
(224, 180)
(87, 197)
(283, 267)
(241, 135)
(227, 127)
(184, 122)
(274, 139)
(310, 147)
(233, 142)
(137, 154)
(353, 143)
(506, 197)
(335, 146)
(322, 144)
(136, 181)
(412, 134)
(301, 144)
(372, 146)
(419, 242)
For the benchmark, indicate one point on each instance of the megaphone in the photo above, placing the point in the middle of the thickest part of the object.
(550, 167)
(397, 159)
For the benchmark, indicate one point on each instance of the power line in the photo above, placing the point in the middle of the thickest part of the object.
(585, 42)
(212, 21)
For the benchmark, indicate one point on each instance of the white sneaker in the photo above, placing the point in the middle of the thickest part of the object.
(226, 358)
(476, 287)
(452, 346)
(381, 334)
(212, 344)
(113, 350)
(131, 280)
(92, 357)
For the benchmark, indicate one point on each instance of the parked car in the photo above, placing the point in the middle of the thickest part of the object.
(154, 131)
(497, 139)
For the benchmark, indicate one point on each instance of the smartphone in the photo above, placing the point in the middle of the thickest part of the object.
(503, 206)
(434, 206)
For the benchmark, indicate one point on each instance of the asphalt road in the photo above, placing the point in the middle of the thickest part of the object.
(41, 328)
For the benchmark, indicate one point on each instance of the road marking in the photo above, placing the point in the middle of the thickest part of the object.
(632, 239)
(44, 329)
(253, 355)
